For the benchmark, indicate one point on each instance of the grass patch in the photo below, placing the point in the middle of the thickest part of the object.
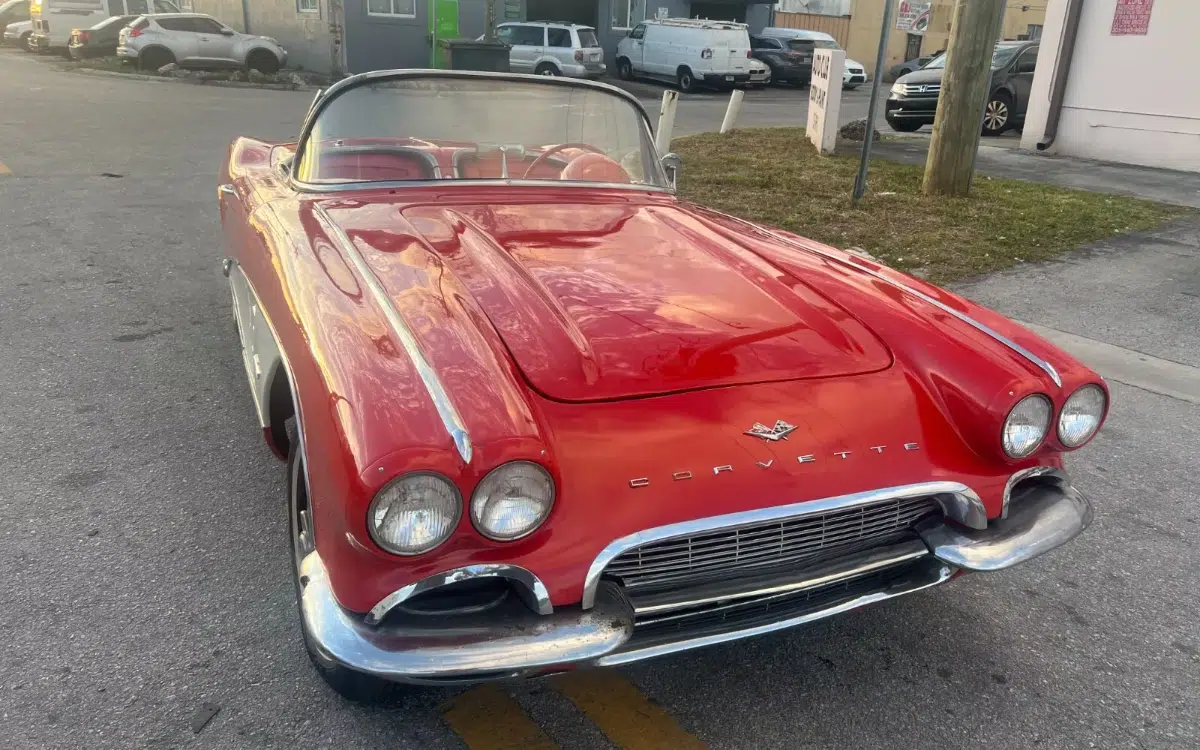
(774, 176)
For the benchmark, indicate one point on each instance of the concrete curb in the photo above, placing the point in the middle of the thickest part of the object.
(192, 81)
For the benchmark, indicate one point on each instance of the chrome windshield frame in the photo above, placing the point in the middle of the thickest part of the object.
(326, 97)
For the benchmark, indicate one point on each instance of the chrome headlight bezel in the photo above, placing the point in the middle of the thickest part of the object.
(481, 500)
(1020, 408)
(382, 495)
(1084, 391)
(898, 89)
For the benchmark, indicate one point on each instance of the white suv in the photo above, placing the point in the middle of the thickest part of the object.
(553, 49)
(194, 40)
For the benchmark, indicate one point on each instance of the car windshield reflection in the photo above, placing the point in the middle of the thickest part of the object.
(464, 128)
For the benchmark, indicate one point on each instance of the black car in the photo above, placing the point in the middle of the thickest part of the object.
(100, 40)
(914, 98)
(790, 60)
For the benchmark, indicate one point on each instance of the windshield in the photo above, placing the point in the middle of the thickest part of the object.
(441, 128)
(587, 38)
(1000, 57)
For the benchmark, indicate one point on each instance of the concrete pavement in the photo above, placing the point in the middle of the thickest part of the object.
(142, 523)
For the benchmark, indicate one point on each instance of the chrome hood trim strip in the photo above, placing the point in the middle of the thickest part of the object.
(1040, 363)
(433, 385)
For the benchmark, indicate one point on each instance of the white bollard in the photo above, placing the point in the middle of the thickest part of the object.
(666, 121)
(735, 108)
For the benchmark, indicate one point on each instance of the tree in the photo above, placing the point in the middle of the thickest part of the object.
(956, 128)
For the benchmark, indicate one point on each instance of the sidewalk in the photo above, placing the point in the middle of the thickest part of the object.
(1163, 185)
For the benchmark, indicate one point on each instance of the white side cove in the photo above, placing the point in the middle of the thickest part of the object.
(260, 353)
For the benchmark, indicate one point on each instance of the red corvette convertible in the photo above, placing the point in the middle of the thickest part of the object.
(540, 414)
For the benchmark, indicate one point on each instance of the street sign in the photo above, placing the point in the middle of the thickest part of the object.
(1132, 17)
(913, 17)
(825, 98)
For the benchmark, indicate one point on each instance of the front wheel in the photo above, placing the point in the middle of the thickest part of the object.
(263, 61)
(997, 115)
(687, 82)
(351, 685)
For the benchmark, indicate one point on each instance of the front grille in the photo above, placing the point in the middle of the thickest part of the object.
(922, 88)
(752, 548)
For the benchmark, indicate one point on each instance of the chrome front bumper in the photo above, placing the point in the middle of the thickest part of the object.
(517, 642)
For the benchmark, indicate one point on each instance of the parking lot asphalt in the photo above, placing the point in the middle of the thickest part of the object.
(143, 533)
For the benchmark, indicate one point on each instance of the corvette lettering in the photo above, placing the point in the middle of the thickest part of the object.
(680, 476)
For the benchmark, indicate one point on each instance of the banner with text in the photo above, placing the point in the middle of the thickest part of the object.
(913, 17)
(1132, 17)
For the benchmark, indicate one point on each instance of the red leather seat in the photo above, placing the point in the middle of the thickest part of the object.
(595, 168)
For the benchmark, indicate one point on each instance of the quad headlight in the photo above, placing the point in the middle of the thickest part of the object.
(512, 501)
(414, 513)
(1027, 425)
(1081, 415)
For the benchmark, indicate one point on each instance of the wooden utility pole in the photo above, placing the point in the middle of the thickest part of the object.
(959, 120)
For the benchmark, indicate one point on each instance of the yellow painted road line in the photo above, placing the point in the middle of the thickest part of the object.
(487, 718)
(4, 170)
(626, 716)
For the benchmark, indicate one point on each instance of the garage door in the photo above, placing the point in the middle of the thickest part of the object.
(567, 11)
(720, 11)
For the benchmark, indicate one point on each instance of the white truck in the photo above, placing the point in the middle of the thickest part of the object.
(687, 52)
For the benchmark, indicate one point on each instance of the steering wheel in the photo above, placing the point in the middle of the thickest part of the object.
(542, 157)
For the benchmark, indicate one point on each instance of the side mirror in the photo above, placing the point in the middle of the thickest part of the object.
(671, 164)
(227, 32)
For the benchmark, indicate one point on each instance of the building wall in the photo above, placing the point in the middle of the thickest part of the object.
(306, 36)
(867, 18)
(228, 12)
(837, 27)
(380, 42)
(1128, 99)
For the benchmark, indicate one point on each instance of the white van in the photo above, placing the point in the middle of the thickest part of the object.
(53, 20)
(688, 52)
(852, 77)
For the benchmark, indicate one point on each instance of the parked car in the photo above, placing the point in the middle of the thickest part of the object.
(760, 74)
(854, 74)
(195, 40)
(687, 52)
(908, 66)
(538, 413)
(553, 49)
(13, 11)
(19, 34)
(99, 40)
(790, 60)
(914, 97)
(54, 20)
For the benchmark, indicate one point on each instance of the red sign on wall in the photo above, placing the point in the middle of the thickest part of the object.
(1132, 17)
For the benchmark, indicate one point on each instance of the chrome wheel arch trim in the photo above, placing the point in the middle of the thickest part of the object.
(1040, 363)
(538, 595)
(429, 378)
(760, 515)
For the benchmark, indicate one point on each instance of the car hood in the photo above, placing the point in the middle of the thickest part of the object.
(854, 64)
(614, 300)
(931, 75)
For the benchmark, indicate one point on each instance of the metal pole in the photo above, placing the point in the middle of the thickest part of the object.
(983, 110)
(860, 182)
(666, 121)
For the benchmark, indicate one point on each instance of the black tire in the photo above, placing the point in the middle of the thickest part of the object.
(24, 41)
(997, 115)
(624, 70)
(903, 126)
(547, 69)
(264, 61)
(685, 80)
(154, 58)
(351, 685)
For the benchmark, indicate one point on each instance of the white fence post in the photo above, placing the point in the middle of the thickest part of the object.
(666, 121)
(735, 108)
